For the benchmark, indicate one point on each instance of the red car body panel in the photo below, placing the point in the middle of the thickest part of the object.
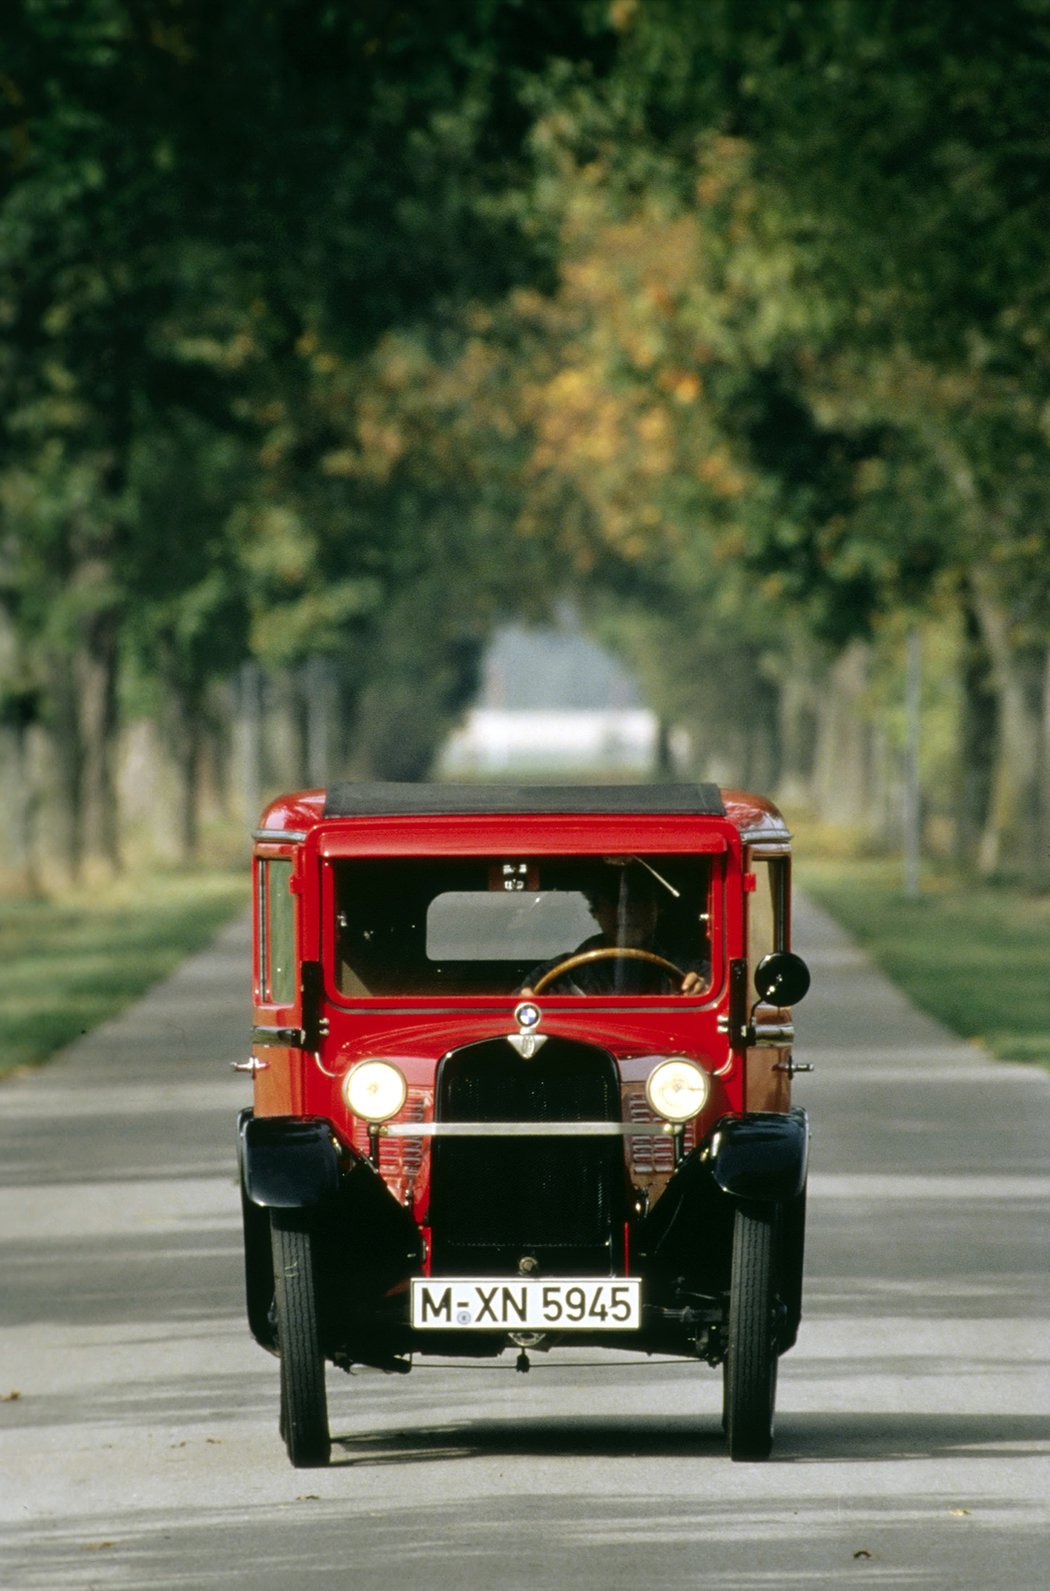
(416, 1031)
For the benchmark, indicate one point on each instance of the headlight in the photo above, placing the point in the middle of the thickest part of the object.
(375, 1090)
(676, 1090)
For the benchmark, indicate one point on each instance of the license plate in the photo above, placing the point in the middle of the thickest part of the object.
(567, 1304)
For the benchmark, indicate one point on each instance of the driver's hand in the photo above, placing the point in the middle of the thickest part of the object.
(691, 983)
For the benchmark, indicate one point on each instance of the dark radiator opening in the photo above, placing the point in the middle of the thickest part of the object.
(495, 1200)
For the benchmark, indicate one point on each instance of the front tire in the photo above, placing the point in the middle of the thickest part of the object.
(304, 1402)
(750, 1367)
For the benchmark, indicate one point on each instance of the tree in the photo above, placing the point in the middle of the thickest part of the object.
(894, 159)
(190, 196)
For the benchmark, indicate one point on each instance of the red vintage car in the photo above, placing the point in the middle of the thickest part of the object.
(522, 1064)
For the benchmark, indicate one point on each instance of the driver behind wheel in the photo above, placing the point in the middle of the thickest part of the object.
(626, 900)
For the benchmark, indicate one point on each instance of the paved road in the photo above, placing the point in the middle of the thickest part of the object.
(138, 1440)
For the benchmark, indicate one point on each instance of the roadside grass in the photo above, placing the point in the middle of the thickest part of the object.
(70, 962)
(976, 956)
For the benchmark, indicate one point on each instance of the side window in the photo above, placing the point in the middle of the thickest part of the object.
(276, 908)
(767, 914)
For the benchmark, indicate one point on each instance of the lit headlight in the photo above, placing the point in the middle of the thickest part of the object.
(676, 1090)
(375, 1090)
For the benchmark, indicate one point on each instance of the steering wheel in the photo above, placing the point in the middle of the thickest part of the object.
(603, 953)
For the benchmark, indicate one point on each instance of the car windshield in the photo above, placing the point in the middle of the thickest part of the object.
(499, 925)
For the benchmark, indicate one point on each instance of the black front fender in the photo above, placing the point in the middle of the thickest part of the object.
(289, 1162)
(762, 1156)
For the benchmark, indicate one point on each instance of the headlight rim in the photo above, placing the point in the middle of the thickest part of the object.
(353, 1076)
(695, 1071)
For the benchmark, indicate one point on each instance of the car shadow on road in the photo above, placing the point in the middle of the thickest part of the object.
(801, 1439)
(532, 1438)
(874, 1437)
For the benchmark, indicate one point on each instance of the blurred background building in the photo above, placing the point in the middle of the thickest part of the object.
(552, 701)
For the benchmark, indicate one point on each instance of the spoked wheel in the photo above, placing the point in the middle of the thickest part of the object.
(750, 1365)
(304, 1403)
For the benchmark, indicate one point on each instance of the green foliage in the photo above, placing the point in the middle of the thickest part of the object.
(343, 330)
(805, 272)
(67, 965)
(208, 219)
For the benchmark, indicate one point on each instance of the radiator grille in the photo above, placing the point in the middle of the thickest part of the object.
(496, 1199)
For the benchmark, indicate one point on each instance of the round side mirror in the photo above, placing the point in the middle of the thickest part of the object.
(781, 978)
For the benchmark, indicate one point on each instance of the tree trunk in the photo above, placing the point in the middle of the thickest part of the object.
(189, 745)
(218, 745)
(64, 735)
(250, 716)
(842, 785)
(797, 731)
(95, 680)
(1017, 680)
(977, 738)
(911, 817)
(758, 735)
(21, 863)
(1043, 845)
(317, 719)
(663, 756)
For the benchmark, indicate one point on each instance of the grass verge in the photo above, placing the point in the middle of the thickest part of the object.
(68, 964)
(973, 955)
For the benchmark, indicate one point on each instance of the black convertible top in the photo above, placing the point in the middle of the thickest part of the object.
(353, 800)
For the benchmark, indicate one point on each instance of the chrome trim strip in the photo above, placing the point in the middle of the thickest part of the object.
(286, 1037)
(526, 1129)
(765, 836)
(278, 836)
(773, 1035)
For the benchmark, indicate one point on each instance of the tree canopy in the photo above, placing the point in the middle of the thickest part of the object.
(341, 331)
